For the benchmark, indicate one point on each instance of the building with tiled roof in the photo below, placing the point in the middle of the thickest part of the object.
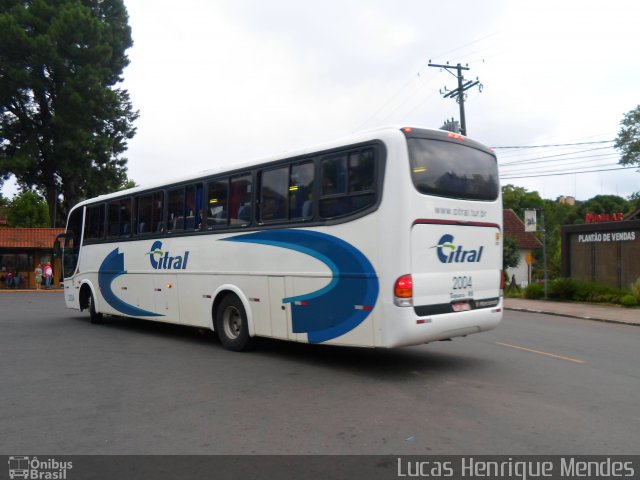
(527, 243)
(22, 249)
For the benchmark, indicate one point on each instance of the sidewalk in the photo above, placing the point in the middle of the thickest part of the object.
(30, 290)
(603, 313)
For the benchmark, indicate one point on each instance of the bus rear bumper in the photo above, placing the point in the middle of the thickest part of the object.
(410, 329)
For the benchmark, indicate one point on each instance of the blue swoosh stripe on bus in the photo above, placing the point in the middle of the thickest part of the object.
(112, 267)
(331, 311)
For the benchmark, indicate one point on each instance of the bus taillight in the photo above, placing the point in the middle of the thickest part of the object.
(403, 291)
(501, 283)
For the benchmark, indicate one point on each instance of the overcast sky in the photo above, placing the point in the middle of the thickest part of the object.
(220, 82)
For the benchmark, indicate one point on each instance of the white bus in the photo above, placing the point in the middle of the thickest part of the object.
(388, 238)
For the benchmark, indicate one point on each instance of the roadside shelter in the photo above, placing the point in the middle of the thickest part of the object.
(22, 249)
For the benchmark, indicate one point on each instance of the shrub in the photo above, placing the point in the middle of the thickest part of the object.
(563, 288)
(635, 289)
(629, 301)
(585, 292)
(534, 291)
(513, 293)
(595, 292)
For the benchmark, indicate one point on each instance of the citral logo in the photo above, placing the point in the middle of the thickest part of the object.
(448, 252)
(161, 260)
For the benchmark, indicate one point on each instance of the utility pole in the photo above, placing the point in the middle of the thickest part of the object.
(531, 225)
(544, 253)
(458, 93)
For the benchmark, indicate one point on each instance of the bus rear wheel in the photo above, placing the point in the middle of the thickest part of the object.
(232, 325)
(94, 317)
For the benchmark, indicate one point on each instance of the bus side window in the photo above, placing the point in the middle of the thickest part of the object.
(94, 228)
(273, 194)
(240, 201)
(217, 193)
(334, 173)
(175, 210)
(333, 203)
(144, 213)
(113, 219)
(348, 184)
(157, 213)
(190, 210)
(301, 191)
(199, 213)
(361, 171)
(361, 179)
(125, 217)
(119, 218)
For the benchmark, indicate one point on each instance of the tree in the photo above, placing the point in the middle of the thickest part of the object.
(28, 210)
(519, 199)
(605, 204)
(127, 184)
(510, 253)
(628, 140)
(63, 123)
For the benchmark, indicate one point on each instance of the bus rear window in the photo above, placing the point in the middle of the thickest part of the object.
(453, 170)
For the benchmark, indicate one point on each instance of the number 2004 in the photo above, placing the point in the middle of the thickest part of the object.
(460, 283)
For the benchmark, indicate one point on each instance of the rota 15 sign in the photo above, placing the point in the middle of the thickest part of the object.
(603, 217)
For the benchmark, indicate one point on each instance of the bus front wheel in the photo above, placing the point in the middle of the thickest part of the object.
(94, 317)
(232, 325)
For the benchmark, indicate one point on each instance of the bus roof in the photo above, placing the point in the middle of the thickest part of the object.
(385, 132)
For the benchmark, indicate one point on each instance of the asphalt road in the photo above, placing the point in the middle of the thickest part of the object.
(537, 385)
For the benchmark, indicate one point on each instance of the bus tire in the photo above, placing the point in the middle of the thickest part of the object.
(232, 325)
(94, 317)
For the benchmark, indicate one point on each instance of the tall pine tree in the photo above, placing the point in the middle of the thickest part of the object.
(64, 124)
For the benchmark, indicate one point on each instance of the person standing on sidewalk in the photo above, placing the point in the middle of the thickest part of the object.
(16, 279)
(8, 279)
(48, 275)
(38, 273)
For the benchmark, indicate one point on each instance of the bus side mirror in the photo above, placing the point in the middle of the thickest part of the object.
(57, 250)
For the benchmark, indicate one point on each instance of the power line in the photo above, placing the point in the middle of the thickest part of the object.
(407, 99)
(555, 155)
(392, 97)
(566, 173)
(555, 145)
(544, 168)
(563, 168)
(470, 43)
(559, 161)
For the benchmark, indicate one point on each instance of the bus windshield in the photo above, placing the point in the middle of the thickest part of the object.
(453, 170)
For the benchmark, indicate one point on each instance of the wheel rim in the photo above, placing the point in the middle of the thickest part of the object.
(232, 322)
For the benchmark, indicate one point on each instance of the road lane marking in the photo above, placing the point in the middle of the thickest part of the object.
(553, 355)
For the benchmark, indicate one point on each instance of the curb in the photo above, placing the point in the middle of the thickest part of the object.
(569, 315)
